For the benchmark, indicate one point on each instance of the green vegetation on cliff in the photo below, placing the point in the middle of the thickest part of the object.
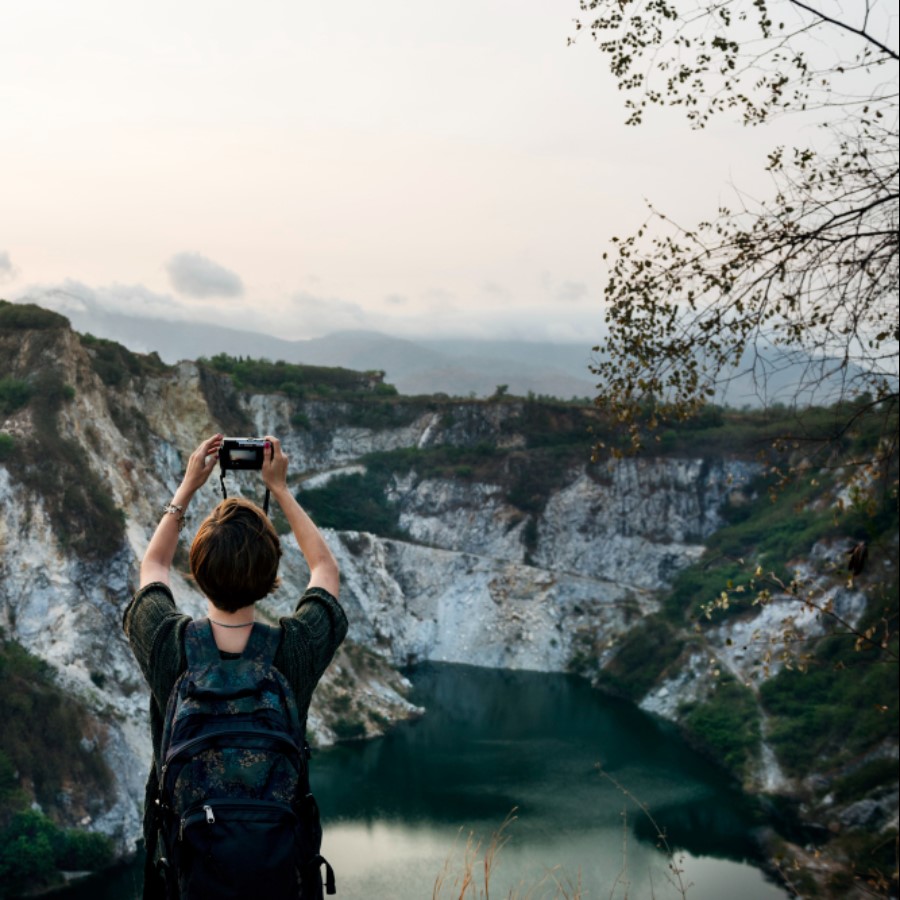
(49, 754)
(34, 851)
(14, 394)
(642, 659)
(726, 724)
(262, 376)
(837, 697)
(29, 316)
(841, 707)
(354, 502)
(114, 362)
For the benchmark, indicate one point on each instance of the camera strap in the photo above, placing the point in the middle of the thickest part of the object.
(225, 492)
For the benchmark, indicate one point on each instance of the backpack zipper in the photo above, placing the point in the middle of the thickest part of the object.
(193, 814)
(206, 811)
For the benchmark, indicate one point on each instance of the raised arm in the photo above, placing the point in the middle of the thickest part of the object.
(323, 567)
(157, 560)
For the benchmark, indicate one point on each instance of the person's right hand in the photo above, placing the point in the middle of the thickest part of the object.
(275, 465)
(201, 463)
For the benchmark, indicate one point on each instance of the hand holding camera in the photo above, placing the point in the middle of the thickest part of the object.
(201, 463)
(255, 453)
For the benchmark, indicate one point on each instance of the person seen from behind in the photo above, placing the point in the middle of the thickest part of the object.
(234, 560)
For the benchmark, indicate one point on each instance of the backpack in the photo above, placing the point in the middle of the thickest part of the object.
(236, 817)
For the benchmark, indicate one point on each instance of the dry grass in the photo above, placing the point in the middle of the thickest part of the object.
(674, 866)
(470, 878)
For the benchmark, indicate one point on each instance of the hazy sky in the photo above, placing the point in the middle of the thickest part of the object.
(419, 168)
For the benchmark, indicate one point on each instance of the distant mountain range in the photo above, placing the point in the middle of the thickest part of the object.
(454, 366)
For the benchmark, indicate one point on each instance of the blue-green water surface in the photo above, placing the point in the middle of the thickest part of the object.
(402, 813)
(399, 811)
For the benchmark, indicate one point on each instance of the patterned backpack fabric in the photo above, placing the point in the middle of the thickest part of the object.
(237, 819)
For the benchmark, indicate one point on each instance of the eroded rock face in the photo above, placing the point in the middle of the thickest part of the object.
(416, 603)
(638, 524)
(69, 613)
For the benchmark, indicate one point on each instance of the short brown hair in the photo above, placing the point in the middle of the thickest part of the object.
(234, 557)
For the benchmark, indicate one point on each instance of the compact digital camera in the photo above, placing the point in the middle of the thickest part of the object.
(242, 453)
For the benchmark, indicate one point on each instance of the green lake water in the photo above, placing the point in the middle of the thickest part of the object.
(399, 811)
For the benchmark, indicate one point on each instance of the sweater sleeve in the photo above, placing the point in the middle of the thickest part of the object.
(311, 638)
(155, 629)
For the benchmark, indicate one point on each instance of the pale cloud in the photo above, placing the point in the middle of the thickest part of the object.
(439, 296)
(196, 276)
(320, 315)
(563, 291)
(496, 290)
(8, 272)
(306, 314)
(572, 291)
(72, 297)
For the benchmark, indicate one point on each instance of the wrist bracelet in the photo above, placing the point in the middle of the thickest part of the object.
(173, 509)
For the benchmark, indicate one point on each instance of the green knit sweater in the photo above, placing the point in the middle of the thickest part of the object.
(155, 628)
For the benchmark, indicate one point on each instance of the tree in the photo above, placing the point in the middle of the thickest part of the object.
(807, 276)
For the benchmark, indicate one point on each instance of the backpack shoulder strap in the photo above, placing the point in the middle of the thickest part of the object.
(199, 644)
(262, 644)
(260, 651)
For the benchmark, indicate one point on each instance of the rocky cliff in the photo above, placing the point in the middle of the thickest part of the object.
(499, 558)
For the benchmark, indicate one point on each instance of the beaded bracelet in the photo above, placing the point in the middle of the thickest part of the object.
(174, 509)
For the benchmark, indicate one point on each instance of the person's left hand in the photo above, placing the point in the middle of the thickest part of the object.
(275, 465)
(202, 462)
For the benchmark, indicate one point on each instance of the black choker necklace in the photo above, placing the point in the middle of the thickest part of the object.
(226, 625)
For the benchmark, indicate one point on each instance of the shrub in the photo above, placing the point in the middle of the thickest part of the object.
(295, 380)
(354, 503)
(841, 707)
(9, 780)
(7, 445)
(14, 394)
(84, 851)
(545, 422)
(33, 849)
(347, 729)
(727, 725)
(642, 658)
(28, 848)
(114, 362)
(874, 775)
(379, 413)
(700, 584)
(28, 316)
